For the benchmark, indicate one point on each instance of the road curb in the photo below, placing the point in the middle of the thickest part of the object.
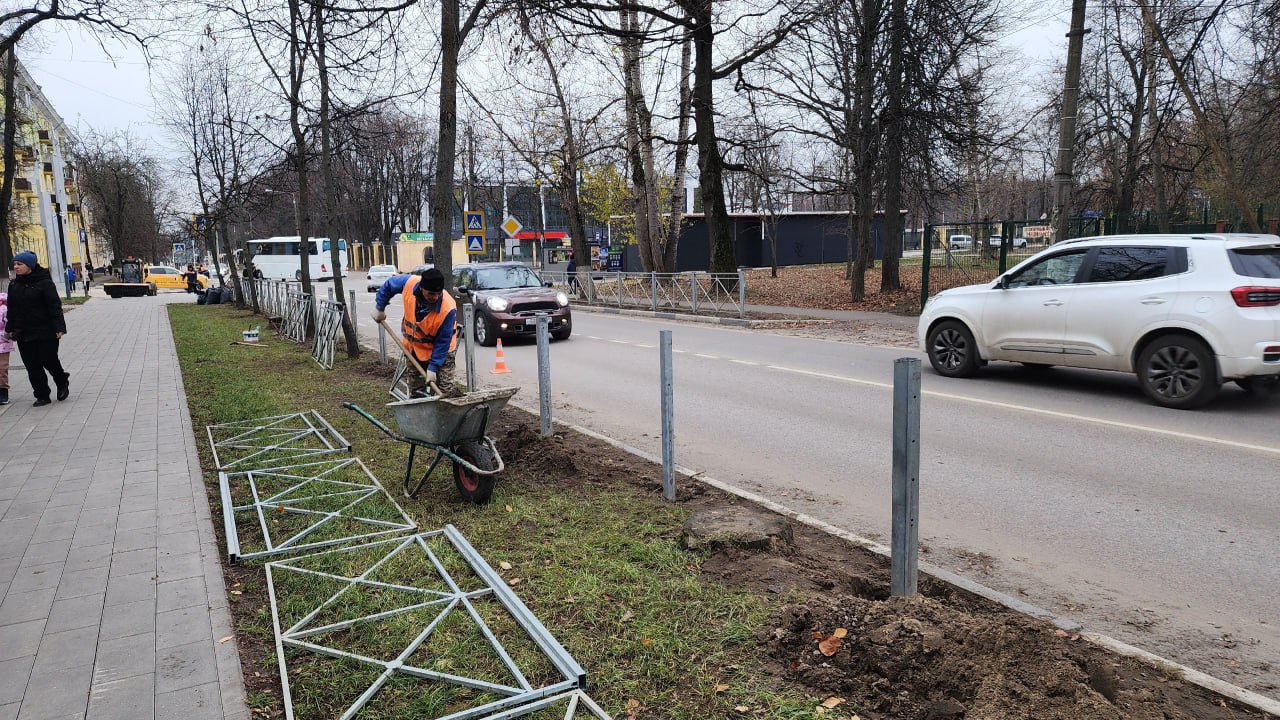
(1249, 698)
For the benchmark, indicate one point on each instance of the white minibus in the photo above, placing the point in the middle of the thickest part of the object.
(278, 258)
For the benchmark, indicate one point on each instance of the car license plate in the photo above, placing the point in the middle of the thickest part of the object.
(531, 321)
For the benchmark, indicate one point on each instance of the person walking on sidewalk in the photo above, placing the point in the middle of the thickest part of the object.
(6, 347)
(430, 318)
(35, 321)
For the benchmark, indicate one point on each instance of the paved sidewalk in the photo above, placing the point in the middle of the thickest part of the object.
(112, 602)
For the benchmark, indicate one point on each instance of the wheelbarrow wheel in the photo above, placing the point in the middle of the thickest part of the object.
(472, 486)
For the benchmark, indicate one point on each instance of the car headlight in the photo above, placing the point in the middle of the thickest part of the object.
(497, 304)
(562, 299)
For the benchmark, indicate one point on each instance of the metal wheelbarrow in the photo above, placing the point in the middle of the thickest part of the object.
(456, 428)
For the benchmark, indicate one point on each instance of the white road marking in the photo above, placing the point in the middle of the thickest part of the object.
(642, 345)
(620, 342)
(1271, 450)
(709, 357)
(743, 362)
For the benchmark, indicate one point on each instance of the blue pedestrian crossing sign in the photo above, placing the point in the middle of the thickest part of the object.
(475, 244)
(475, 222)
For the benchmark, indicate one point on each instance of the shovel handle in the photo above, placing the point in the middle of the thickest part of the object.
(412, 360)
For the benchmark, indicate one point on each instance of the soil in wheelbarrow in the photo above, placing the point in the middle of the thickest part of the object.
(940, 655)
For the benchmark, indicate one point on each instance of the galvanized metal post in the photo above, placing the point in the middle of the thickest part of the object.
(653, 291)
(352, 309)
(742, 293)
(330, 291)
(469, 339)
(903, 564)
(618, 286)
(668, 418)
(382, 344)
(693, 290)
(544, 374)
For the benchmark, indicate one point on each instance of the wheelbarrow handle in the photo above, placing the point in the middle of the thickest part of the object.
(377, 423)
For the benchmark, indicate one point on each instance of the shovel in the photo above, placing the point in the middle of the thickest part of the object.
(435, 389)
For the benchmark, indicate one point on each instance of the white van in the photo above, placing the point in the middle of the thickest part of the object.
(960, 242)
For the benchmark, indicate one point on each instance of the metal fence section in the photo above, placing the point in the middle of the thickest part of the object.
(328, 329)
(306, 507)
(700, 293)
(296, 313)
(425, 609)
(274, 441)
(273, 297)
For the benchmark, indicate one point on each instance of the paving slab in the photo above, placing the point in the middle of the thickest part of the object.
(111, 592)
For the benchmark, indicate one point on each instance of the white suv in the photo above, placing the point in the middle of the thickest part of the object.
(1182, 312)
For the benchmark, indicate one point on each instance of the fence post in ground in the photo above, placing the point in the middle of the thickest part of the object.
(653, 291)
(544, 374)
(668, 418)
(693, 290)
(382, 344)
(352, 310)
(926, 243)
(742, 293)
(618, 286)
(469, 339)
(906, 477)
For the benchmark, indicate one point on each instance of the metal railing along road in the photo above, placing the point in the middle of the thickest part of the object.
(699, 293)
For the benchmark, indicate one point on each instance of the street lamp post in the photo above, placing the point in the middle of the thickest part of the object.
(62, 242)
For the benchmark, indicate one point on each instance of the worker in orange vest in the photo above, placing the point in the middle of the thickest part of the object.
(430, 318)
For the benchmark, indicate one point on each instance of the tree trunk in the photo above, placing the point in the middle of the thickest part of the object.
(889, 278)
(710, 164)
(1159, 199)
(10, 165)
(865, 82)
(442, 195)
(674, 222)
(1064, 168)
(331, 188)
(635, 138)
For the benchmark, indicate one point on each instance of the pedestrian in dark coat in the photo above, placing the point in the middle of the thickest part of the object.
(37, 325)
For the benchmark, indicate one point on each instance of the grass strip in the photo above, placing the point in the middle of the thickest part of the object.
(599, 564)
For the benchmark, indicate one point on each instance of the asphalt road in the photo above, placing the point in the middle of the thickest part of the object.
(1065, 488)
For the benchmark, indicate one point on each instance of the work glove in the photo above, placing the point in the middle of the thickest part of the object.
(431, 376)
(378, 315)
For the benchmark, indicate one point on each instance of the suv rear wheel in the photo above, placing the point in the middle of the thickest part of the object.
(1178, 371)
(952, 350)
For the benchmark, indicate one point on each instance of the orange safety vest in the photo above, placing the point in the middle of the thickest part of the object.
(420, 336)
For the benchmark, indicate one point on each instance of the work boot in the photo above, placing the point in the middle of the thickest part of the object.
(63, 392)
(4, 396)
(40, 402)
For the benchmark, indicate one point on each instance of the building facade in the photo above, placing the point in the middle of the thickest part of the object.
(46, 214)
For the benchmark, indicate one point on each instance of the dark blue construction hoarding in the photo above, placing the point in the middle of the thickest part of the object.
(804, 238)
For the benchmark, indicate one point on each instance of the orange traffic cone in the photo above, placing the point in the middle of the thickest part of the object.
(500, 363)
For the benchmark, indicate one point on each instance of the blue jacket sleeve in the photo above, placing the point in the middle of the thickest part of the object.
(391, 287)
(440, 352)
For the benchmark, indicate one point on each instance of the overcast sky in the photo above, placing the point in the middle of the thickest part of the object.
(107, 92)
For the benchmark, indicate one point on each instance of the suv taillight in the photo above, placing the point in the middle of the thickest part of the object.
(1256, 296)
(322, 268)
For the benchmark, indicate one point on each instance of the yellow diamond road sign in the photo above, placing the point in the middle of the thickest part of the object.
(511, 226)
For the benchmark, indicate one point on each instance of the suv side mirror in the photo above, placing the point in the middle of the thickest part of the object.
(463, 290)
(1003, 282)
(547, 284)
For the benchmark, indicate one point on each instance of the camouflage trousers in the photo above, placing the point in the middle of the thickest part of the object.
(445, 378)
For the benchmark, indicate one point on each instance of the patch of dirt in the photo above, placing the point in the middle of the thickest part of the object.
(824, 287)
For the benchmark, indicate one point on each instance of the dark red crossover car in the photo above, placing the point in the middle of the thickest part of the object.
(508, 298)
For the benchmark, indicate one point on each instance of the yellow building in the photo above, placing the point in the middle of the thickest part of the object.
(46, 214)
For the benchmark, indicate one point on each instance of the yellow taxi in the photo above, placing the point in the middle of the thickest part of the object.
(167, 276)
